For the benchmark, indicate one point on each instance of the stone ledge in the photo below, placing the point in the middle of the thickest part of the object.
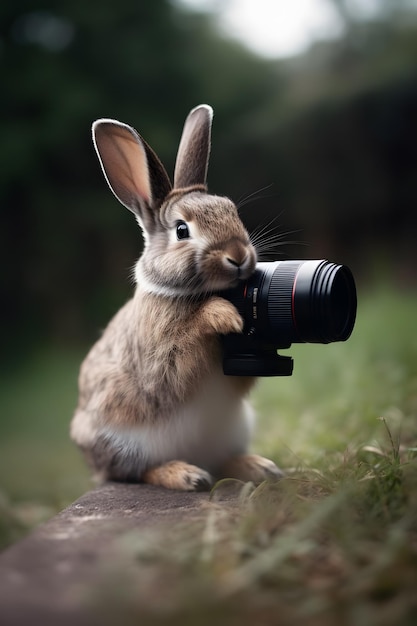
(43, 576)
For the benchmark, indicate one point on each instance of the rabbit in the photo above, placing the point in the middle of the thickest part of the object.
(154, 405)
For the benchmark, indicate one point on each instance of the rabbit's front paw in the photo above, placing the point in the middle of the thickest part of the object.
(179, 475)
(221, 316)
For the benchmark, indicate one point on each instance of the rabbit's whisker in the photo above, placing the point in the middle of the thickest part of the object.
(255, 195)
(266, 240)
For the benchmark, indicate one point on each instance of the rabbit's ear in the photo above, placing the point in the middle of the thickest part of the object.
(194, 149)
(133, 171)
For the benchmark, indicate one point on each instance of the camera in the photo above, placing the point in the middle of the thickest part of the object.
(285, 302)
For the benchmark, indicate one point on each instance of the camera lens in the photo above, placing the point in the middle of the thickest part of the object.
(297, 301)
(310, 301)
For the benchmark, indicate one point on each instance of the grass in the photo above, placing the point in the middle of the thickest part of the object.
(295, 553)
(333, 543)
(40, 470)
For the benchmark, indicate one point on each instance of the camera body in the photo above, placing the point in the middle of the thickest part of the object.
(287, 302)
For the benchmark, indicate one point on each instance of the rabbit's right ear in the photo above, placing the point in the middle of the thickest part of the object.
(133, 171)
(194, 149)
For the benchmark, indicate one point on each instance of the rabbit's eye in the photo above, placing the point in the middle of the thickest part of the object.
(182, 230)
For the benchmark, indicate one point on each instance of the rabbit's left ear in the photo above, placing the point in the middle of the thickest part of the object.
(132, 169)
(194, 149)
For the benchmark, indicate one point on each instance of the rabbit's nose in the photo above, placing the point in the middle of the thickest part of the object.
(236, 254)
(241, 266)
(234, 262)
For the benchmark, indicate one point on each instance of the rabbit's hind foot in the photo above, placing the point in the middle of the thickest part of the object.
(178, 475)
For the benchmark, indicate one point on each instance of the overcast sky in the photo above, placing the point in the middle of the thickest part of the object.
(279, 28)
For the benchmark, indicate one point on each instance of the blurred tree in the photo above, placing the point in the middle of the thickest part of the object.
(66, 247)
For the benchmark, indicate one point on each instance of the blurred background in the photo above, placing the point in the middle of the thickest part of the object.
(315, 118)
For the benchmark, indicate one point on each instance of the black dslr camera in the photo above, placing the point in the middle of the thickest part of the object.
(287, 302)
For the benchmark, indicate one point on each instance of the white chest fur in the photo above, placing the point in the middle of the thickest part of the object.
(215, 425)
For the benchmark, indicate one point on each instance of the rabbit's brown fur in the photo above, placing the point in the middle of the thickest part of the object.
(154, 404)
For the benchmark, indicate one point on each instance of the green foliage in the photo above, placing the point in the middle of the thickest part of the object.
(316, 548)
(335, 541)
(69, 243)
